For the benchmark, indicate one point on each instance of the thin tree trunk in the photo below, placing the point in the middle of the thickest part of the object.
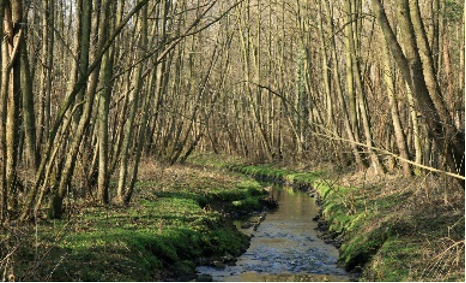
(352, 38)
(140, 140)
(137, 78)
(336, 77)
(48, 44)
(349, 68)
(29, 118)
(3, 93)
(56, 206)
(462, 73)
(399, 134)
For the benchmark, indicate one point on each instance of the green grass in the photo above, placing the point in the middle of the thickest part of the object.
(173, 222)
(397, 231)
(278, 173)
(400, 232)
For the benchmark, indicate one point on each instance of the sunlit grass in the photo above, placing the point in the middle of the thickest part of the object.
(400, 229)
(176, 218)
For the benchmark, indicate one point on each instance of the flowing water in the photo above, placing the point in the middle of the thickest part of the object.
(284, 247)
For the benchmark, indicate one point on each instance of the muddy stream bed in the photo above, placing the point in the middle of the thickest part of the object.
(284, 246)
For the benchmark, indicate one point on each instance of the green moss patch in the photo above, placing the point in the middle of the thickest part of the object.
(395, 229)
(176, 219)
(270, 171)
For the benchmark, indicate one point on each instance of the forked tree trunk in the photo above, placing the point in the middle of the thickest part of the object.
(56, 204)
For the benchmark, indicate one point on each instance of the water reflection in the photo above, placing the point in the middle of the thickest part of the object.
(285, 247)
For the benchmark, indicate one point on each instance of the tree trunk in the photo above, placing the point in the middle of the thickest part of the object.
(398, 130)
(462, 74)
(56, 205)
(349, 68)
(47, 57)
(410, 65)
(336, 76)
(3, 94)
(137, 79)
(29, 118)
(12, 77)
(141, 139)
(102, 120)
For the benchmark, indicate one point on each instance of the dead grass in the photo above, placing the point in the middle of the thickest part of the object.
(171, 222)
(427, 215)
(402, 229)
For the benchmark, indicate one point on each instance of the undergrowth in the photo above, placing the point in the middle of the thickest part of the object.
(397, 229)
(176, 221)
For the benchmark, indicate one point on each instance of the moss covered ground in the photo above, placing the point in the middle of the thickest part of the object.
(175, 222)
(391, 228)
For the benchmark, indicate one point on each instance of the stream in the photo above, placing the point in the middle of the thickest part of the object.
(284, 247)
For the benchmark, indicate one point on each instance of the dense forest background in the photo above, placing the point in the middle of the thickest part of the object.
(89, 87)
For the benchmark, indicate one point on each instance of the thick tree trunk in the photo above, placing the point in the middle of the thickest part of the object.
(102, 119)
(12, 70)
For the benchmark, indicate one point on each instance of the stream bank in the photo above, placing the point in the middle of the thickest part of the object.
(389, 228)
(284, 245)
(177, 221)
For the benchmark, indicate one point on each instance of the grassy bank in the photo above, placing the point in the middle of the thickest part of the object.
(396, 229)
(176, 221)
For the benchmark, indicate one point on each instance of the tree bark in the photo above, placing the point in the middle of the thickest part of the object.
(3, 94)
(336, 76)
(410, 65)
(140, 140)
(398, 129)
(102, 119)
(12, 70)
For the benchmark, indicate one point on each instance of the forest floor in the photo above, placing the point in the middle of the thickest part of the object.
(175, 222)
(392, 228)
(389, 227)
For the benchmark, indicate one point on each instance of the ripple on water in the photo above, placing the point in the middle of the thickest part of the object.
(285, 247)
